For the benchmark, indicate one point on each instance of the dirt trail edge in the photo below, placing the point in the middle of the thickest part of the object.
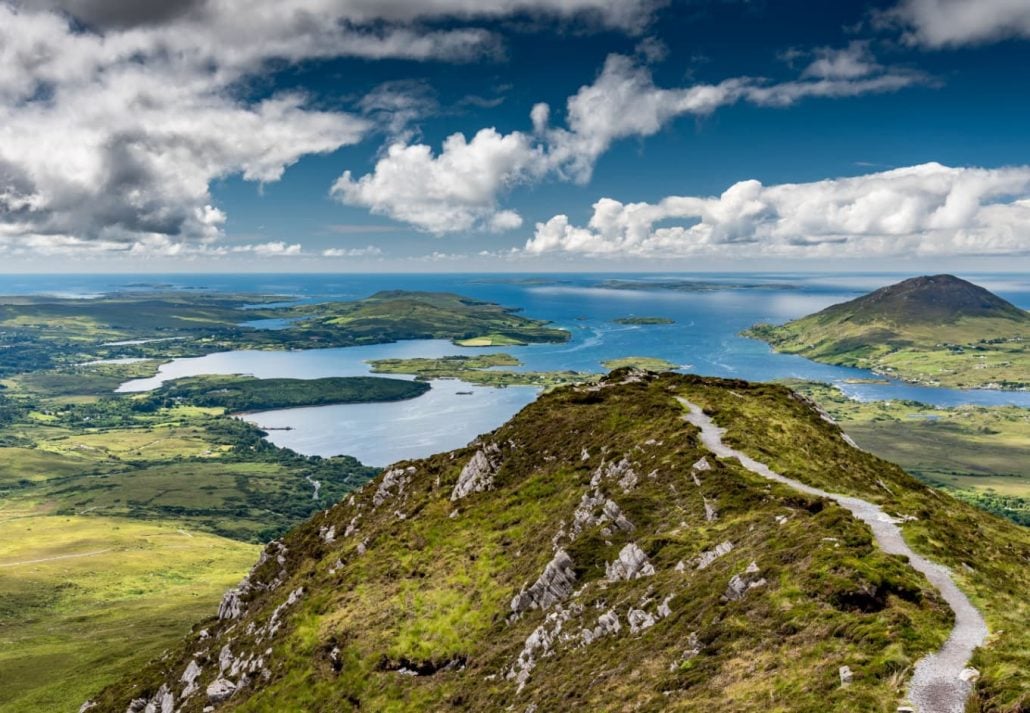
(940, 683)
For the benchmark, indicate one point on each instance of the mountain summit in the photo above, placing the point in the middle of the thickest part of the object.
(600, 552)
(930, 299)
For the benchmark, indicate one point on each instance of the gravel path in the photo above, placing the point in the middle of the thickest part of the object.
(938, 684)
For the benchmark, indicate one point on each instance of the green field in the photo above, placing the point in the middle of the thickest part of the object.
(979, 454)
(84, 599)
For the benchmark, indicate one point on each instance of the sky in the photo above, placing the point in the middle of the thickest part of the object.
(514, 135)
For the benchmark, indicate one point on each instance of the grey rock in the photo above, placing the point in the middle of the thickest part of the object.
(225, 658)
(607, 624)
(231, 606)
(708, 556)
(220, 689)
(742, 583)
(845, 676)
(631, 564)
(392, 484)
(478, 474)
(711, 513)
(553, 586)
(640, 620)
(87, 706)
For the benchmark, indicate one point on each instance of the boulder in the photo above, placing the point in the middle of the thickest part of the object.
(478, 474)
(631, 564)
(551, 587)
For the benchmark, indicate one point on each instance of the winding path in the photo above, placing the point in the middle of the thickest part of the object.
(939, 682)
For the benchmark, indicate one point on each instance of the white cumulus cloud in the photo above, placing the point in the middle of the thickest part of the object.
(115, 117)
(944, 23)
(924, 210)
(459, 188)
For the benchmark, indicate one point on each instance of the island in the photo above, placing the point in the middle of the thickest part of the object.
(935, 330)
(246, 393)
(644, 320)
(479, 369)
(639, 362)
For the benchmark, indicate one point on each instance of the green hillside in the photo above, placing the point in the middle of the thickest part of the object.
(939, 330)
(592, 554)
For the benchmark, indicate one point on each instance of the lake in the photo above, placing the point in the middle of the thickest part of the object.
(704, 339)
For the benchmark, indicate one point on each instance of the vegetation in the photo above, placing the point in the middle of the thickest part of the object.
(638, 362)
(246, 393)
(84, 599)
(414, 582)
(644, 320)
(46, 333)
(480, 369)
(978, 454)
(940, 331)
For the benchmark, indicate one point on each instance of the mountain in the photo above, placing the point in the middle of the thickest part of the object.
(595, 553)
(938, 330)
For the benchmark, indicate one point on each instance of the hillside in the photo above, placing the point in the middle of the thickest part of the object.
(594, 554)
(938, 330)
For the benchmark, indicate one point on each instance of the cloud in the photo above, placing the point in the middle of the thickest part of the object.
(454, 190)
(945, 23)
(276, 248)
(116, 117)
(924, 210)
(459, 188)
(369, 251)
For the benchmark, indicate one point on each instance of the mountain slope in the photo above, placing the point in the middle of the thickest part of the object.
(593, 554)
(940, 330)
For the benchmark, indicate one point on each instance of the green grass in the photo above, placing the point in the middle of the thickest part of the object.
(112, 594)
(976, 453)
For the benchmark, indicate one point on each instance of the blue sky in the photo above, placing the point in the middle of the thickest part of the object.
(710, 134)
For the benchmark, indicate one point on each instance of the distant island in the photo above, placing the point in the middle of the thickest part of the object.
(639, 362)
(686, 285)
(644, 320)
(935, 330)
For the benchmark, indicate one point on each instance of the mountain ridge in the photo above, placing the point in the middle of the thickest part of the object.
(593, 552)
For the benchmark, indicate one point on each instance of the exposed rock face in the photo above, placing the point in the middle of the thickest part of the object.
(631, 564)
(742, 583)
(392, 484)
(595, 509)
(189, 677)
(709, 556)
(607, 624)
(232, 601)
(553, 586)
(640, 620)
(478, 474)
(220, 689)
(539, 644)
(711, 513)
(845, 676)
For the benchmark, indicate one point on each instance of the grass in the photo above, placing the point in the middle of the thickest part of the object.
(976, 453)
(120, 593)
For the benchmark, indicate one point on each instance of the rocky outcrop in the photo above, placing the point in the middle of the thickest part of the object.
(220, 689)
(478, 474)
(393, 483)
(607, 625)
(632, 563)
(553, 586)
(709, 556)
(744, 582)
